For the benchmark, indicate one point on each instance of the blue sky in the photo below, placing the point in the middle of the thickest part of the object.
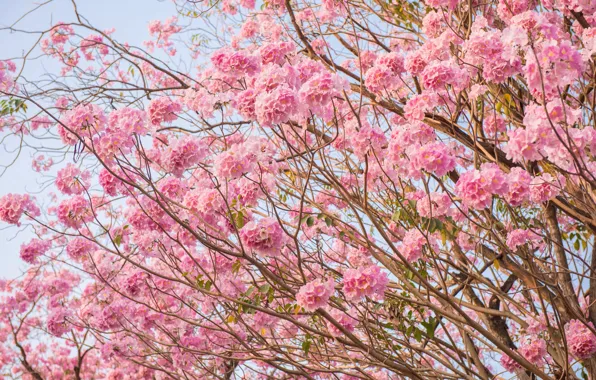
(130, 19)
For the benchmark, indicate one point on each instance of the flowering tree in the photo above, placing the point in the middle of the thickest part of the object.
(345, 189)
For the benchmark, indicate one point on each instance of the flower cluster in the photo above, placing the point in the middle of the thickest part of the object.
(163, 110)
(581, 341)
(364, 282)
(70, 180)
(12, 207)
(264, 236)
(31, 251)
(315, 294)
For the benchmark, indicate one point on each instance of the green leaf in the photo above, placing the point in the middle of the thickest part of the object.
(118, 240)
(306, 346)
(236, 267)
(265, 288)
(417, 335)
(310, 221)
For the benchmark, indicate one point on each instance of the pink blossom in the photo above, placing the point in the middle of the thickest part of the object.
(57, 323)
(344, 319)
(510, 364)
(232, 164)
(476, 187)
(521, 146)
(534, 350)
(277, 106)
(244, 102)
(434, 158)
(315, 294)
(519, 186)
(413, 244)
(41, 164)
(367, 140)
(418, 105)
(319, 91)
(200, 101)
(183, 153)
(78, 247)
(84, 120)
(264, 236)
(364, 282)
(275, 52)
(129, 120)
(519, 237)
(236, 62)
(74, 212)
(380, 79)
(435, 205)
(581, 342)
(70, 180)
(545, 187)
(163, 110)
(12, 207)
(437, 75)
(31, 251)
(108, 182)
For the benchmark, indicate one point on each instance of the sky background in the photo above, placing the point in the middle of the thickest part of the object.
(130, 19)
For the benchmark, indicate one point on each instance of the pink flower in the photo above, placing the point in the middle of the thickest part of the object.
(85, 120)
(509, 364)
(277, 106)
(418, 105)
(319, 91)
(476, 187)
(438, 205)
(182, 154)
(315, 294)
(78, 247)
(74, 212)
(264, 236)
(433, 24)
(57, 323)
(380, 79)
(521, 146)
(244, 102)
(162, 110)
(413, 244)
(206, 202)
(71, 180)
(236, 62)
(545, 187)
(494, 125)
(41, 164)
(534, 350)
(363, 282)
(275, 52)
(437, 75)
(12, 207)
(232, 164)
(581, 342)
(344, 319)
(31, 251)
(519, 186)
(200, 101)
(129, 120)
(367, 140)
(393, 61)
(519, 237)
(434, 158)
(109, 183)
